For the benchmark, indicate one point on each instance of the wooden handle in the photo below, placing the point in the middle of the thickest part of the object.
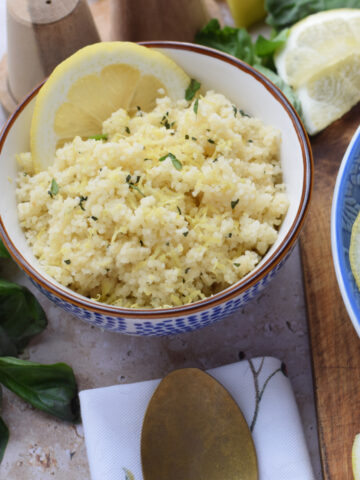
(137, 20)
(42, 33)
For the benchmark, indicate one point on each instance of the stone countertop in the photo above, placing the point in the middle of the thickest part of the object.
(273, 324)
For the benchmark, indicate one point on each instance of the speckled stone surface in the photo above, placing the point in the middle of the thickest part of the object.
(274, 324)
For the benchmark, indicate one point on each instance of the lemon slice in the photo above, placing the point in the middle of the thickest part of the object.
(321, 61)
(86, 88)
(354, 250)
(316, 42)
(355, 456)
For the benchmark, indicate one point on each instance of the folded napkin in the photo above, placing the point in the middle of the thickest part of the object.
(113, 416)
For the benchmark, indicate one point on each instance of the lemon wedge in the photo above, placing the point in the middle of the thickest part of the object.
(321, 60)
(354, 250)
(247, 13)
(355, 457)
(86, 88)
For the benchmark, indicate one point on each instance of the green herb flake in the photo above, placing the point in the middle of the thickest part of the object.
(94, 218)
(187, 270)
(134, 187)
(179, 210)
(234, 203)
(237, 264)
(147, 159)
(215, 160)
(127, 130)
(186, 233)
(67, 262)
(101, 136)
(210, 140)
(187, 137)
(193, 87)
(235, 110)
(194, 138)
(141, 243)
(54, 188)
(230, 235)
(244, 114)
(177, 164)
(196, 106)
(250, 141)
(81, 201)
(128, 178)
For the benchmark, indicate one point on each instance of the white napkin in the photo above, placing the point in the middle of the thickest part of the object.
(113, 416)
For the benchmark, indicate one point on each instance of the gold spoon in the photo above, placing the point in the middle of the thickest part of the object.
(194, 430)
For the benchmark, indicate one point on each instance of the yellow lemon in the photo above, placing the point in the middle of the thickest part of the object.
(321, 60)
(246, 13)
(86, 88)
(355, 457)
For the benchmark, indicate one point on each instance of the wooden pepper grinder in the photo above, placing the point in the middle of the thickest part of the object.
(137, 20)
(42, 33)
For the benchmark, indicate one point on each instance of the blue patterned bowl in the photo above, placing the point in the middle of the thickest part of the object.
(345, 208)
(244, 86)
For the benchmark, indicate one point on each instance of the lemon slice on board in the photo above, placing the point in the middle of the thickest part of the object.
(86, 88)
(321, 61)
(355, 457)
(354, 250)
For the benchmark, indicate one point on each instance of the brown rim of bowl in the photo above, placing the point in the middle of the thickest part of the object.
(230, 292)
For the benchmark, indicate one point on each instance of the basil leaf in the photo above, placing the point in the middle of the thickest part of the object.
(265, 46)
(284, 13)
(4, 438)
(192, 89)
(3, 252)
(50, 388)
(21, 317)
(235, 41)
(284, 87)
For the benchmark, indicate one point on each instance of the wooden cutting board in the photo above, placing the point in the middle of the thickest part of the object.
(335, 345)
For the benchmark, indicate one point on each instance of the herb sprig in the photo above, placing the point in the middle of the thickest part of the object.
(177, 164)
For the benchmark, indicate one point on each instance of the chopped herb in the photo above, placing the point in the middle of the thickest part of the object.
(192, 89)
(172, 133)
(127, 130)
(215, 160)
(186, 137)
(235, 110)
(177, 164)
(137, 178)
(101, 136)
(165, 122)
(138, 108)
(94, 218)
(194, 138)
(237, 264)
(25, 174)
(167, 244)
(134, 187)
(234, 203)
(196, 106)
(82, 200)
(54, 188)
(172, 124)
(141, 243)
(230, 235)
(67, 262)
(179, 210)
(187, 270)
(183, 280)
(185, 234)
(243, 114)
(250, 141)
(147, 159)
(210, 140)
(128, 178)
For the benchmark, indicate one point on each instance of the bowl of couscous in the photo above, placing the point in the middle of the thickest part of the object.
(172, 218)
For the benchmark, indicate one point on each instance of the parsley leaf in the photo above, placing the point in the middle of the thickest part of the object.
(54, 188)
(234, 203)
(192, 89)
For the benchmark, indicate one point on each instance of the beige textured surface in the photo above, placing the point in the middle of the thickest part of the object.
(42, 448)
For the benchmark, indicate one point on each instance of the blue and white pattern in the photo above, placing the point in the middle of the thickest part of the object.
(346, 206)
(173, 325)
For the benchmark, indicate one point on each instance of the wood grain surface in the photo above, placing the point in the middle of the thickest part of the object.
(334, 343)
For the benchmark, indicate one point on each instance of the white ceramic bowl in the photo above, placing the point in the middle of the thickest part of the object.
(247, 89)
(345, 208)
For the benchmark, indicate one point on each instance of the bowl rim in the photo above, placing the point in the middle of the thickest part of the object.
(233, 290)
(337, 247)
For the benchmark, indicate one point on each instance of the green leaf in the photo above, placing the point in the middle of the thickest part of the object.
(101, 136)
(21, 317)
(177, 164)
(3, 252)
(235, 41)
(51, 388)
(196, 106)
(284, 13)
(284, 87)
(193, 87)
(4, 438)
(265, 47)
(54, 188)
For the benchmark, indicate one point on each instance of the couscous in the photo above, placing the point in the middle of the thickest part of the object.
(161, 209)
